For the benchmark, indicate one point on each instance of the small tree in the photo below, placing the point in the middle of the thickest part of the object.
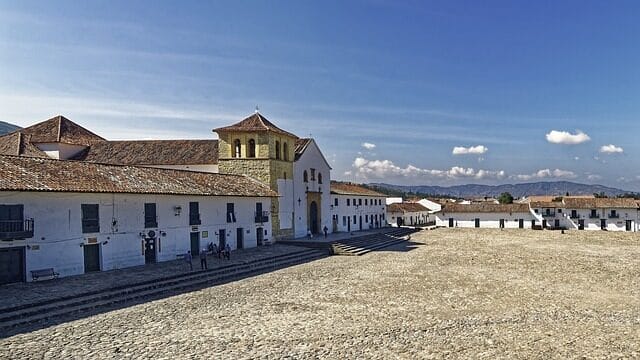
(505, 198)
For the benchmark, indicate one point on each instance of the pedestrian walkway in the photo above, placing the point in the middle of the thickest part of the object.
(14, 295)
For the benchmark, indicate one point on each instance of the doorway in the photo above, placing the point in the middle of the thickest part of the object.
(195, 243)
(259, 236)
(501, 223)
(521, 223)
(450, 222)
(581, 224)
(628, 225)
(556, 223)
(313, 217)
(91, 258)
(12, 265)
(149, 250)
(222, 238)
(477, 223)
(239, 238)
(360, 222)
(544, 224)
(603, 224)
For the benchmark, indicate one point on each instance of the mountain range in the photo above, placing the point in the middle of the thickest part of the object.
(517, 190)
(5, 127)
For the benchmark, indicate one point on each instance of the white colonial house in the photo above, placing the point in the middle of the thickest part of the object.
(407, 214)
(354, 207)
(77, 217)
(485, 215)
(611, 214)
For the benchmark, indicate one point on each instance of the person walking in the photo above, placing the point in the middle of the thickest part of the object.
(203, 259)
(188, 258)
(325, 229)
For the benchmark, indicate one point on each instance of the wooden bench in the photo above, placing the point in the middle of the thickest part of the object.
(43, 273)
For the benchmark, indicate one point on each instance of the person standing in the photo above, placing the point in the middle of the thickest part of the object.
(227, 251)
(203, 259)
(188, 258)
(325, 229)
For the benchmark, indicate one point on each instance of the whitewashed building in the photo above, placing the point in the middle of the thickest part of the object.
(355, 208)
(485, 215)
(431, 205)
(611, 214)
(77, 217)
(407, 214)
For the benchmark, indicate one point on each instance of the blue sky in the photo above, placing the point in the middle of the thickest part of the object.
(526, 91)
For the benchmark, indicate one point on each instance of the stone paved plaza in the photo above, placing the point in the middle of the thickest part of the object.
(450, 293)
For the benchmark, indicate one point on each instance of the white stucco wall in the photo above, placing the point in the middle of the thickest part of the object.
(58, 227)
(368, 210)
(60, 151)
(487, 220)
(613, 224)
(311, 159)
(411, 218)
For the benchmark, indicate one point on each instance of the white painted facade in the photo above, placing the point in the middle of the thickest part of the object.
(58, 241)
(623, 219)
(60, 151)
(485, 219)
(411, 218)
(431, 205)
(318, 184)
(357, 212)
(393, 200)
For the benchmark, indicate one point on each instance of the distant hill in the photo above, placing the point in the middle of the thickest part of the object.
(7, 128)
(517, 190)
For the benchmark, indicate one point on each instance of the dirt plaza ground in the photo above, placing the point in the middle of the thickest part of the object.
(449, 293)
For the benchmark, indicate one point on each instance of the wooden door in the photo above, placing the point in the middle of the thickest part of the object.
(195, 243)
(239, 238)
(12, 265)
(91, 258)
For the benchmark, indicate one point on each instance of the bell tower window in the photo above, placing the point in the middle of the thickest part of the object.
(319, 178)
(236, 148)
(305, 177)
(285, 150)
(251, 151)
(277, 150)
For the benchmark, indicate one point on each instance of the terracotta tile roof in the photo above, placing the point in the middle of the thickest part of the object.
(406, 207)
(60, 129)
(546, 204)
(21, 173)
(255, 122)
(16, 143)
(485, 208)
(595, 203)
(301, 146)
(346, 188)
(152, 152)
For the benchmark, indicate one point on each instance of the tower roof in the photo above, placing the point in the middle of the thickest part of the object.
(255, 122)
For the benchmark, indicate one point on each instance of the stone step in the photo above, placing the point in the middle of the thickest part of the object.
(188, 279)
(368, 249)
(150, 281)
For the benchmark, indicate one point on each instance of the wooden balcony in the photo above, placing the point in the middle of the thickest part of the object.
(16, 229)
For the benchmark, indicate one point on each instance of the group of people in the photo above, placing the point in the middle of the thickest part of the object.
(212, 249)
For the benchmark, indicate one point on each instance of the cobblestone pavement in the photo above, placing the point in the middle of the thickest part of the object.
(28, 293)
(451, 293)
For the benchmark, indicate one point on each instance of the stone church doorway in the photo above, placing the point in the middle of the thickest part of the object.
(313, 217)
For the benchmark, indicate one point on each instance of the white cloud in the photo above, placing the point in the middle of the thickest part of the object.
(594, 177)
(475, 150)
(368, 145)
(611, 149)
(564, 137)
(381, 169)
(546, 174)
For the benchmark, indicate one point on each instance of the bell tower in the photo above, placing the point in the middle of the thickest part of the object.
(257, 148)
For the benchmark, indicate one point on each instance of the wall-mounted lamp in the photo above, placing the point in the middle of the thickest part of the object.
(162, 233)
(105, 242)
(81, 244)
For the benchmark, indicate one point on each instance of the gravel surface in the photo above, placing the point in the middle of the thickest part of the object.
(451, 293)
